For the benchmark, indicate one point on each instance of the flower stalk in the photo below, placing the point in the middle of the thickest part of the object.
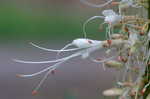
(146, 95)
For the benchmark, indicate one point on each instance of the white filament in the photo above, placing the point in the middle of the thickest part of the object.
(52, 50)
(41, 62)
(66, 46)
(52, 67)
(80, 43)
(95, 5)
(83, 52)
(87, 21)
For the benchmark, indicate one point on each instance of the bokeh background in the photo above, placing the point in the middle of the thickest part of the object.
(51, 24)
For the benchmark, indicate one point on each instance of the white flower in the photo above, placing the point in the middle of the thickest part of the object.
(82, 44)
(85, 47)
(111, 17)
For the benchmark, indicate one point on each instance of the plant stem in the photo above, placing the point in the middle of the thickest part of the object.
(147, 72)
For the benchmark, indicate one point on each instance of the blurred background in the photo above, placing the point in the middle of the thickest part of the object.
(51, 24)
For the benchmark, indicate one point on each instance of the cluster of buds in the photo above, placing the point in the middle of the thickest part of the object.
(130, 45)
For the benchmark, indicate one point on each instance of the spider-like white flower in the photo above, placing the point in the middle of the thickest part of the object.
(109, 16)
(84, 47)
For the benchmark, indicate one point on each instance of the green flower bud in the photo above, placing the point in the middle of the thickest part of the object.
(114, 64)
(113, 92)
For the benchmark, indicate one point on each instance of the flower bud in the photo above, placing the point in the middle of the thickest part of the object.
(144, 28)
(141, 33)
(149, 34)
(116, 36)
(113, 92)
(143, 91)
(132, 50)
(122, 59)
(135, 69)
(125, 84)
(113, 64)
(109, 42)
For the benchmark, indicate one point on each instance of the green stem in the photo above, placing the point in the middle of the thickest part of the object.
(147, 72)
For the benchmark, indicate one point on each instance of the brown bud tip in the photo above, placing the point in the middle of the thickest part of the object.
(34, 92)
(130, 84)
(109, 42)
(124, 60)
(119, 58)
(126, 29)
(141, 33)
(19, 75)
(90, 42)
(143, 91)
(132, 93)
(114, 3)
(98, 59)
(53, 72)
(105, 45)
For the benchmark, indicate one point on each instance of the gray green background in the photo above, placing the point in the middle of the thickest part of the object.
(51, 24)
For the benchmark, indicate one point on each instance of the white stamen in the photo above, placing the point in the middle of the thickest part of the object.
(52, 50)
(68, 45)
(41, 62)
(87, 45)
(80, 43)
(86, 22)
(53, 66)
